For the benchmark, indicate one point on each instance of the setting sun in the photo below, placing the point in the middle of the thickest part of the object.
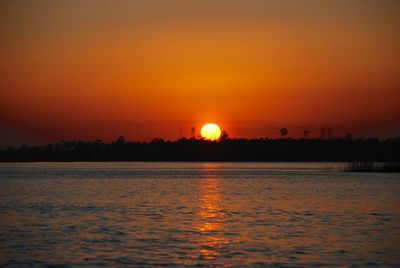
(211, 132)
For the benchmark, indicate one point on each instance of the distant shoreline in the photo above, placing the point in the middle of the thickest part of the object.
(192, 150)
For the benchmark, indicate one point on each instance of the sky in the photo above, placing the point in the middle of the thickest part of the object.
(144, 69)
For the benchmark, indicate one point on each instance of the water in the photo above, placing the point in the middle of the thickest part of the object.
(204, 214)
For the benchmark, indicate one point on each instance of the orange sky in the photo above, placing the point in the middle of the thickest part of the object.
(144, 69)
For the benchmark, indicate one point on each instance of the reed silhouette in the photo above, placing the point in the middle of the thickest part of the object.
(369, 166)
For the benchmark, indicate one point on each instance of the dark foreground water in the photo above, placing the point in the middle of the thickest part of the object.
(204, 214)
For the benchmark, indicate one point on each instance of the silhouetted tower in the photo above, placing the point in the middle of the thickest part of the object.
(306, 133)
(193, 132)
(323, 133)
(330, 133)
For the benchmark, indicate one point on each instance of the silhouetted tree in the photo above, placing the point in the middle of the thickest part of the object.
(121, 139)
(284, 132)
(224, 136)
(349, 137)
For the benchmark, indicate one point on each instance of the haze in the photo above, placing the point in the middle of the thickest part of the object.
(154, 68)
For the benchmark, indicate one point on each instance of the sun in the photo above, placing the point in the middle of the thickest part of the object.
(210, 132)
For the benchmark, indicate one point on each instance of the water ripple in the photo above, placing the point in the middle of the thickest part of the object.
(146, 215)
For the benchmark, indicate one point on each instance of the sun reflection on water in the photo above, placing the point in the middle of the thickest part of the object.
(211, 219)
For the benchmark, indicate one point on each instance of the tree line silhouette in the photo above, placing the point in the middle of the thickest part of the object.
(225, 149)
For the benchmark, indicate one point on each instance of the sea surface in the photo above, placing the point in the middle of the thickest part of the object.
(197, 214)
